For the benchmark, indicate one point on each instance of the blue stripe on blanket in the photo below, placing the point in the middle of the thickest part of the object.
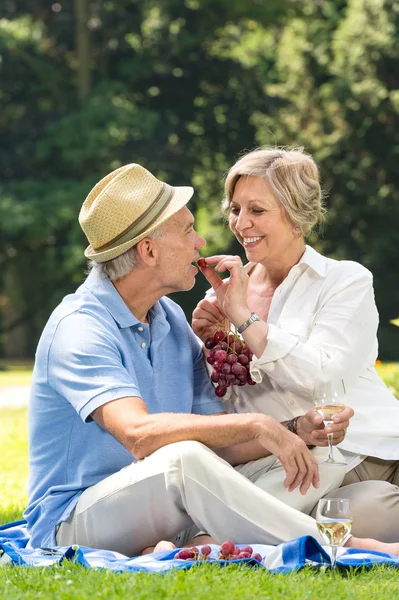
(284, 558)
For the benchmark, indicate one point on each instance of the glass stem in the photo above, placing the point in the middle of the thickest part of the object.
(333, 556)
(330, 447)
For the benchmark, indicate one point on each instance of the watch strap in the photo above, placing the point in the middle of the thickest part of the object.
(254, 317)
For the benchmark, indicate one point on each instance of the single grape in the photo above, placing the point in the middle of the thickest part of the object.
(206, 550)
(245, 555)
(257, 557)
(220, 391)
(219, 336)
(224, 346)
(209, 343)
(227, 547)
(220, 355)
(232, 358)
(215, 377)
(210, 360)
(250, 381)
(243, 359)
(201, 262)
(226, 368)
(237, 347)
(247, 352)
(247, 549)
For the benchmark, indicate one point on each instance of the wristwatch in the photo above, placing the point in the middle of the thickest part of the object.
(291, 426)
(254, 317)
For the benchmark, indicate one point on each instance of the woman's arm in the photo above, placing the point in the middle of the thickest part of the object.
(342, 332)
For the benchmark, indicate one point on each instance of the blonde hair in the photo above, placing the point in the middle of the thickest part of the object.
(293, 177)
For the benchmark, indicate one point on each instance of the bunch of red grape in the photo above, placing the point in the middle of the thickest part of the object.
(228, 551)
(230, 358)
(194, 553)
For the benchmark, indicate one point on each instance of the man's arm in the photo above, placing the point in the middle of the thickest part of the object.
(128, 420)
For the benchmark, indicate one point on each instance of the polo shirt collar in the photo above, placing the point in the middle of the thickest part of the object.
(315, 261)
(104, 290)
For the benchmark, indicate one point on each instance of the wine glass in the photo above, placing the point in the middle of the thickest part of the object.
(334, 522)
(329, 399)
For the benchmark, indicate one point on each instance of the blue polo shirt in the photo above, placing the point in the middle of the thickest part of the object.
(93, 350)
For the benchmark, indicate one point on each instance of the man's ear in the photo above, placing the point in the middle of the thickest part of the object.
(147, 252)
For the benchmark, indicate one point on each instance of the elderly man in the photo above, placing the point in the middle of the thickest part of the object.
(122, 438)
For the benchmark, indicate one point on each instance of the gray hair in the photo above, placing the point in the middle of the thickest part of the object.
(119, 267)
(293, 177)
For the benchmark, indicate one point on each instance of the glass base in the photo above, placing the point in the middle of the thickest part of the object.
(330, 461)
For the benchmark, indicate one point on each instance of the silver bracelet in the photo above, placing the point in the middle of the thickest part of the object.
(254, 317)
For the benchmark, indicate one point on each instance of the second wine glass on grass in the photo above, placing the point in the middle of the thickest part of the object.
(329, 400)
(334, 522)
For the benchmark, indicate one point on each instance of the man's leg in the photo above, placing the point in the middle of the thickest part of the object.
(268, 474)
(180, 484)
(373, 490)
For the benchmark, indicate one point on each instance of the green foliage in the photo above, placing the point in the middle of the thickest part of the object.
(182, 87)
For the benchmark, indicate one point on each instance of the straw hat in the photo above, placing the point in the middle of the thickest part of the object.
(124, 207)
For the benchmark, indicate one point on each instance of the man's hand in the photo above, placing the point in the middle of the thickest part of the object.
(311, 430)
(299, 463)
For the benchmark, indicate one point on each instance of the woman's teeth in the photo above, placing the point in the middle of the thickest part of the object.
(252, 240)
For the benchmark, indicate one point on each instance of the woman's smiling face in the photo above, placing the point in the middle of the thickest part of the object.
(258, 220)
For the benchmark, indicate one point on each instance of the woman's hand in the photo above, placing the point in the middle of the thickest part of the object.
(207, 318)
(231, 294)
(311, 430)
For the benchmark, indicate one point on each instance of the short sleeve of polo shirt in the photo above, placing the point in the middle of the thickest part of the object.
(85, 365)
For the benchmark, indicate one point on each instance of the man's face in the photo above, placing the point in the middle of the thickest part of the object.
(178, 250)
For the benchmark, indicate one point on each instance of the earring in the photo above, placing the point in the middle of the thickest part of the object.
(297, 228)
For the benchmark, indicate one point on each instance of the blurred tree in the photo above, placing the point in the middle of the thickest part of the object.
(89, 87)
(334, 71)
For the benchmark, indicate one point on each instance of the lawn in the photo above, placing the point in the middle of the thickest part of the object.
(71, 581)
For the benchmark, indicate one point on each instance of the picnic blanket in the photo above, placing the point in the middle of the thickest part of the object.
(284, 558)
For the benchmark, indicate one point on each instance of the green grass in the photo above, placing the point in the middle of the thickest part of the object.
(13, 464)
(201, 583)
(15, 373)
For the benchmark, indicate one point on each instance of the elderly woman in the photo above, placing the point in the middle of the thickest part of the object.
(308, 319)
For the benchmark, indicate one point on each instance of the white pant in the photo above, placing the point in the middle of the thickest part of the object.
(179, 485)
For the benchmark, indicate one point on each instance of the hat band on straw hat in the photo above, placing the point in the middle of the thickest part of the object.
(145, 220)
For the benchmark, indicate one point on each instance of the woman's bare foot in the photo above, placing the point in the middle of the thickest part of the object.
(370, 544)
(162, 545)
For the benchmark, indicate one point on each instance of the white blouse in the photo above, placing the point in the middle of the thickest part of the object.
(322, 326)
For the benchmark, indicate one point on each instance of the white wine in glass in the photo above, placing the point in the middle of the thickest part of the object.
(329, 400)
(334, 522)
